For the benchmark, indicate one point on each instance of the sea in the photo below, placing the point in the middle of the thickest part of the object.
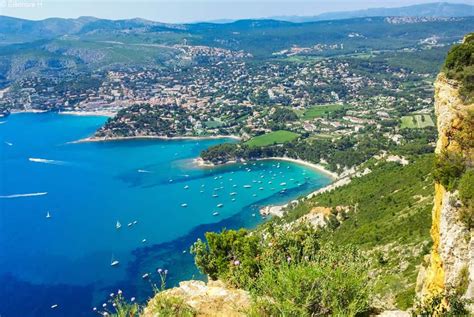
(61, 203)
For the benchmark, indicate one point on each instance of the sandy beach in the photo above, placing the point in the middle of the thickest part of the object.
(315, 166)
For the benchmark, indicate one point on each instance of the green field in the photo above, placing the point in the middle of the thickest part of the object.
(320, 111)
(276, 137)
(417, 121)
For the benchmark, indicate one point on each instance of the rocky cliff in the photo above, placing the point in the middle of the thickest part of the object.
(451, 263)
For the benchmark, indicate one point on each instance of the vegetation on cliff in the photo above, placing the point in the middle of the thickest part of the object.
(459, 65)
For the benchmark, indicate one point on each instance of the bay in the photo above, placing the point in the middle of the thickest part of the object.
(151, 187)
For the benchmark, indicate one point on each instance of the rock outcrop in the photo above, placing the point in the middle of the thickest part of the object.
(208, 300)
(452, 256)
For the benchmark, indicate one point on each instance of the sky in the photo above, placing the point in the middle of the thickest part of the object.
(176, 11)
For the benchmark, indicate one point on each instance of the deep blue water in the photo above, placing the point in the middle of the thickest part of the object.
(88, 187)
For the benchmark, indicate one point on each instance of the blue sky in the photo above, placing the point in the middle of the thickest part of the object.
(188, 10)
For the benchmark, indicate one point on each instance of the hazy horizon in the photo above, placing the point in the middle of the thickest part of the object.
(190, 10)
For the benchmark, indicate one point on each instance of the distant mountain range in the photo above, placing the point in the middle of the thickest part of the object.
(436, 9)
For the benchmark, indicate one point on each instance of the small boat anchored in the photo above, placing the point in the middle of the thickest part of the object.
(215, 213)
(114, 262)
(48, 215)
(184, 205)
(118, 225)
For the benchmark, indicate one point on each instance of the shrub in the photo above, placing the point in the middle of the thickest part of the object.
(225, 250)
(466, 195)
(459, 65)
(449, 166)
(332, 284)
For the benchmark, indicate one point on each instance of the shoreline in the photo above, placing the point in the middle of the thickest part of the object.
(334, 176)
(101, 113)
(279, 210)
(155, 137)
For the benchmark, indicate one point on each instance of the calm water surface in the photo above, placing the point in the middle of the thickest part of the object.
(88, 187)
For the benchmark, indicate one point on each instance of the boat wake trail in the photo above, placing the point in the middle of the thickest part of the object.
(23, 195)
(45, 161)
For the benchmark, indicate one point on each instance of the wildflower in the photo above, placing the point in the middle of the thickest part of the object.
(236, 262)
(288, 259)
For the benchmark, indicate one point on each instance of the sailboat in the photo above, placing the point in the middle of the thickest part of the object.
(118, 225)
(114, 262)
(48, 215)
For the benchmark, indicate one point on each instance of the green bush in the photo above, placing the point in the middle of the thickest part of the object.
(334, 283)
(449, 167)
(466, 195)
(287, 271)
(459, 65)
(227, 249)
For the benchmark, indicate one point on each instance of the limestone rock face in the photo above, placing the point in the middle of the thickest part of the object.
(211, 300)
(453, 242)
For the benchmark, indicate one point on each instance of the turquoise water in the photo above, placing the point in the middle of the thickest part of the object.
(88, 187)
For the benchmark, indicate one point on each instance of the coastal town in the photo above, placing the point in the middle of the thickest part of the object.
(325, 98)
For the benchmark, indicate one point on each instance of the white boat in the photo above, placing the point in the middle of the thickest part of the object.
(145, 276)
(48, 215)
(114, 262)
(233, 194)
(144, 240)
(233, 199)
(247, 186)
(186, 187)
(261, 188)
(135, 222)
(54, 306)
(282, 184)
(220, 205)
(184, 205)
(130, 224)
(8, 143)
(215, 213)
(118, 225)
(215, 195)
